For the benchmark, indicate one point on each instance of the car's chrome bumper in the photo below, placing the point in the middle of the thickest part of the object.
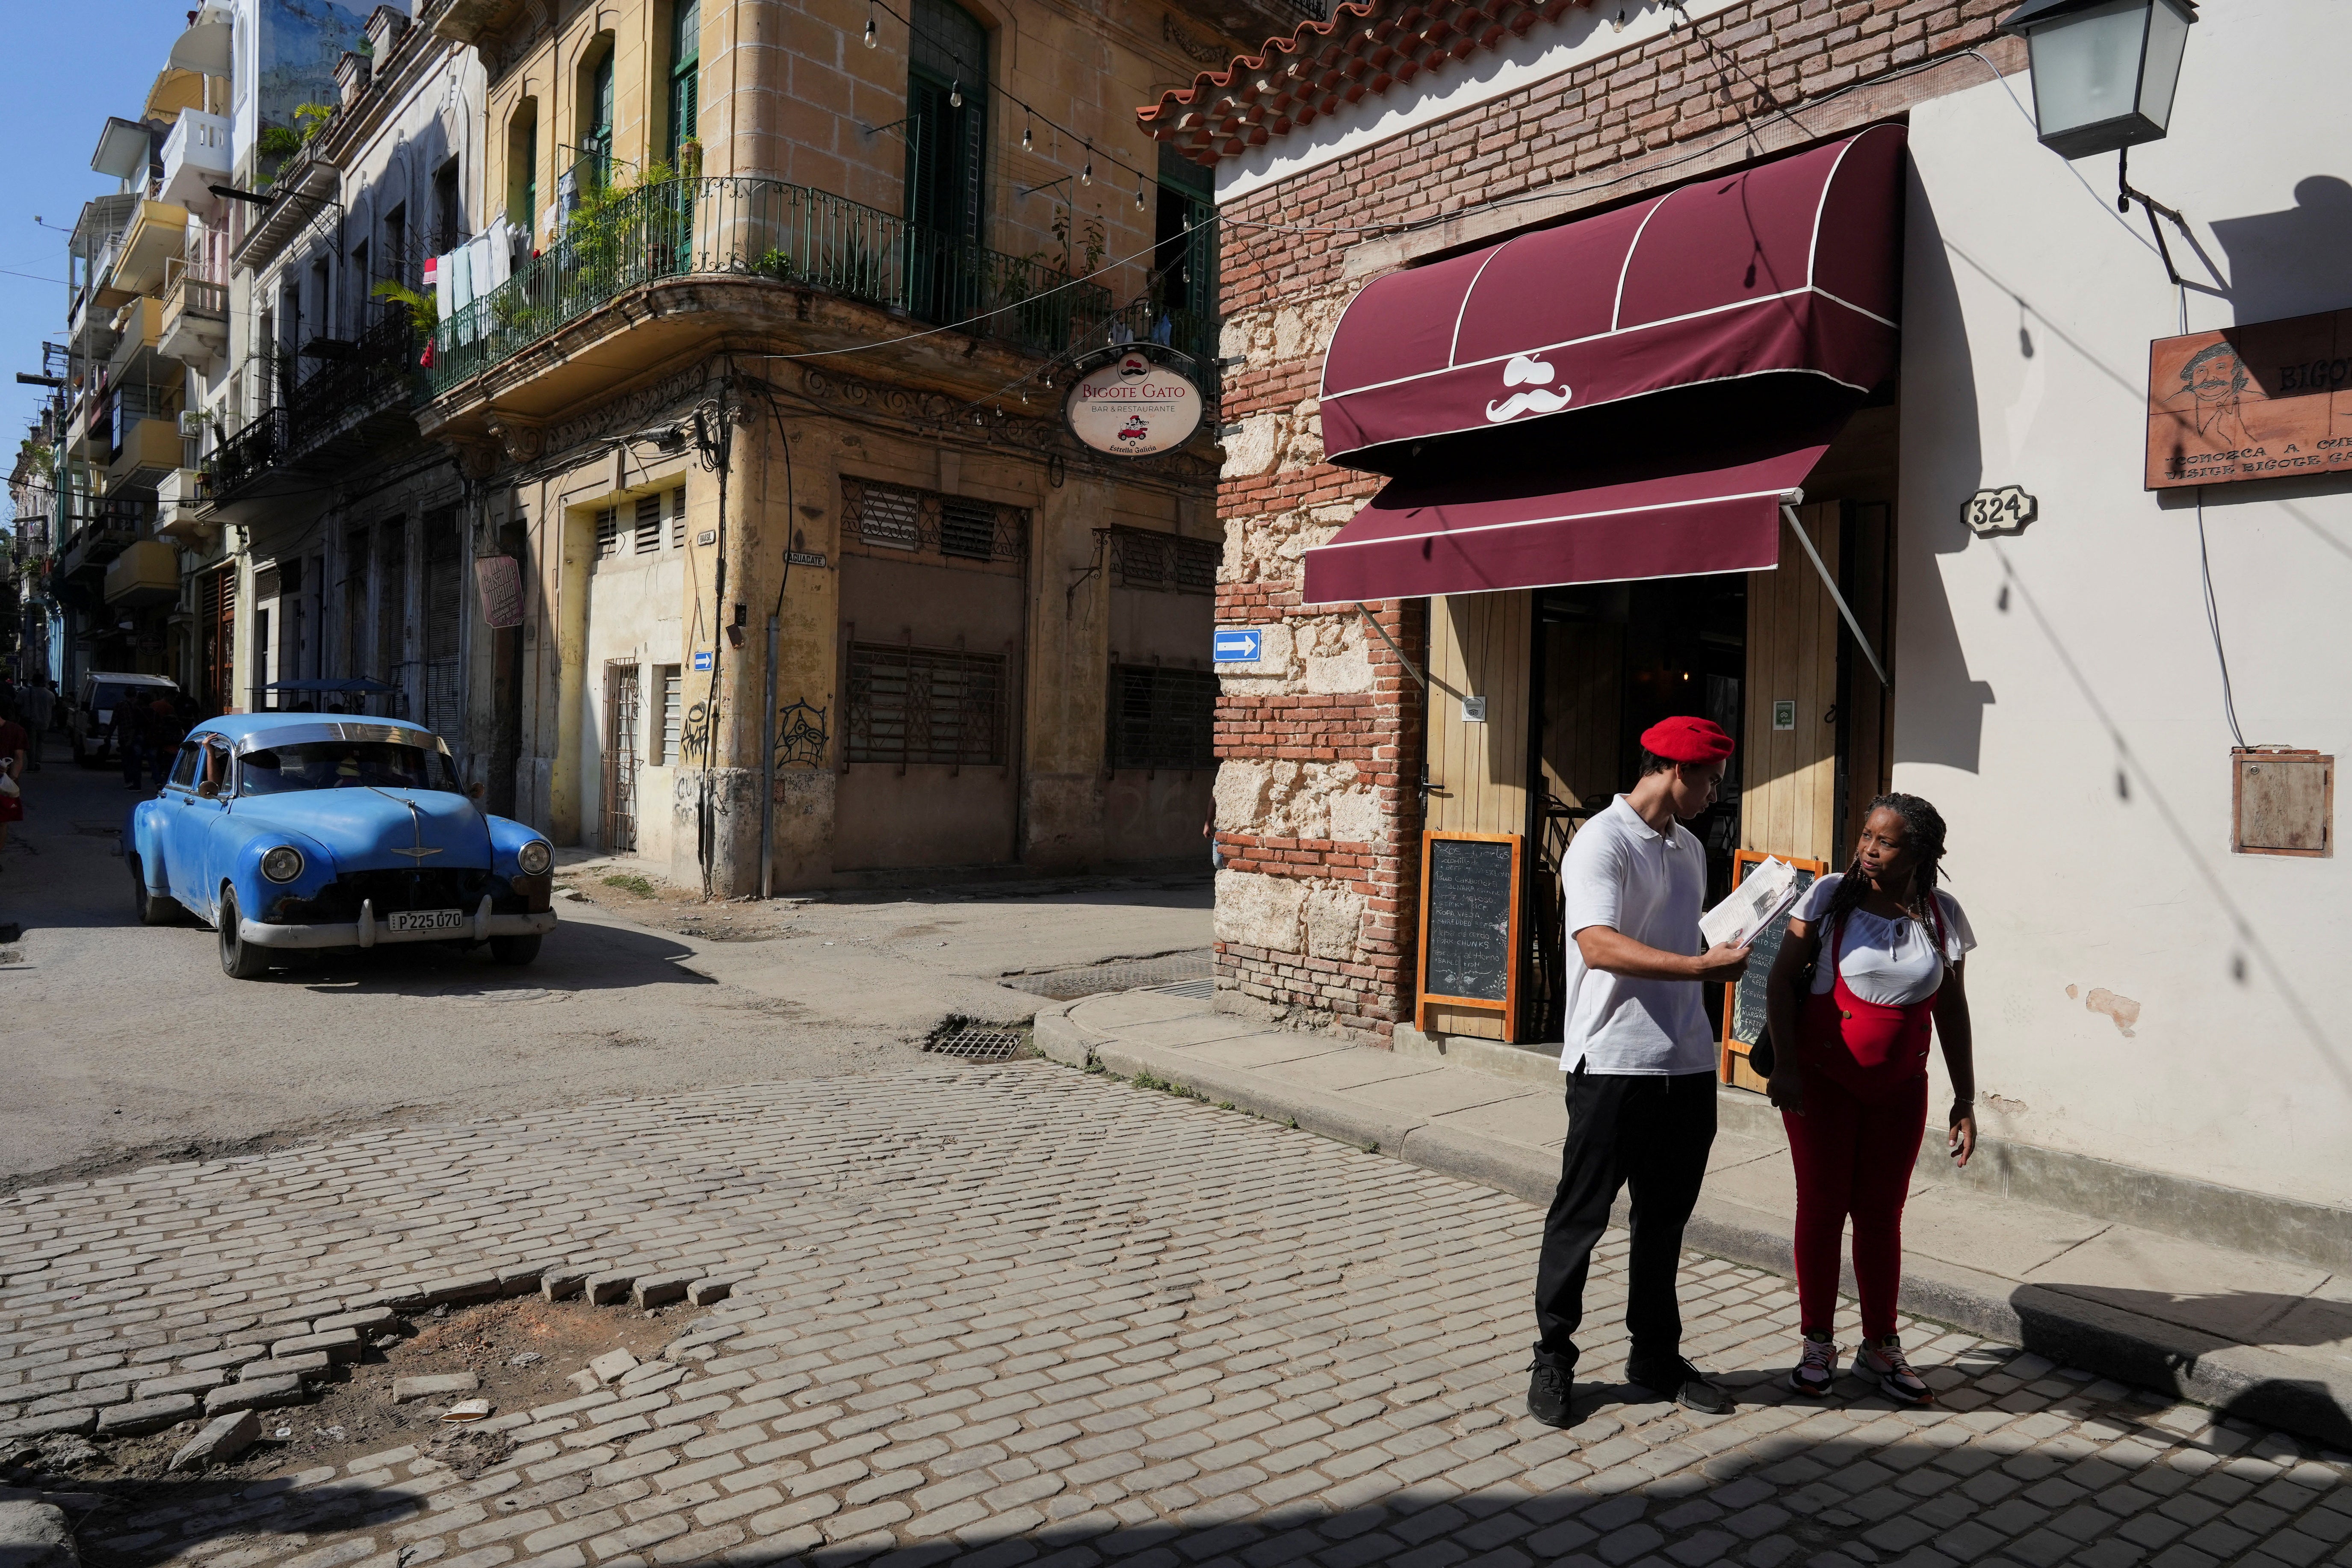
(370, 931)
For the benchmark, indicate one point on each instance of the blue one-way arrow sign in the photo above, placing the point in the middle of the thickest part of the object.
(1237, 646)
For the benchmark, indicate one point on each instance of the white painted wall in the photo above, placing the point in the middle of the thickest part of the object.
(2058, 694)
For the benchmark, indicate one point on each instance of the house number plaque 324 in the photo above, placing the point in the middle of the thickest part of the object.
(2004, 510)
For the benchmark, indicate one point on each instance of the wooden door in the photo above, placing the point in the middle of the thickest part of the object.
(1789, 790)
(1481, 663)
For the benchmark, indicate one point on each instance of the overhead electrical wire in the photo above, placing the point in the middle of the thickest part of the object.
(1023, 303)
(978, 71)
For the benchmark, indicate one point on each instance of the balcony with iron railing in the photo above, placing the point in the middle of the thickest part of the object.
(358, 400)
(673, 229)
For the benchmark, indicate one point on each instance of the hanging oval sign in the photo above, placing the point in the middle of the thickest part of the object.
(1133, 407)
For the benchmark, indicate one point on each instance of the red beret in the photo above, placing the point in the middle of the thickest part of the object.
(1687, 740)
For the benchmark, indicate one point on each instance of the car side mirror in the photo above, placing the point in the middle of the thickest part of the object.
(209, 789)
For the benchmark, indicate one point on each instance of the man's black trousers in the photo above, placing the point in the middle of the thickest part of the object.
(1651, 1132)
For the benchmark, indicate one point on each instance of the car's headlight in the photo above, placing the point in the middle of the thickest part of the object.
(535, 858)
(282, 864)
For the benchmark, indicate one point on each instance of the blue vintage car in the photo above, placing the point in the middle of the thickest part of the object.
(308, 830)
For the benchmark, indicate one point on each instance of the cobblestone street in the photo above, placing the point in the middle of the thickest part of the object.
(1018, 1313)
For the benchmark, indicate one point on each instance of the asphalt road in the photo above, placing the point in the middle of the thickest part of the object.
(121, 1045)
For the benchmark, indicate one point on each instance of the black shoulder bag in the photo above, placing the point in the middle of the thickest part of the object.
(1761, 1057)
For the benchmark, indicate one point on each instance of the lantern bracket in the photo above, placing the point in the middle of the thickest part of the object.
(2125, 196)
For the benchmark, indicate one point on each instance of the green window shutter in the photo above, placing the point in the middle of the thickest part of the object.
(685, 73)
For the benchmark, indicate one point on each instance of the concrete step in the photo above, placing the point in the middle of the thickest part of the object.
(2256, 1337)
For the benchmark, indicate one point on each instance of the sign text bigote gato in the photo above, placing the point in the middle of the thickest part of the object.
(2252, 402)
(1133, 407)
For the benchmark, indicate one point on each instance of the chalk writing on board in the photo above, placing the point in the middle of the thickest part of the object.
(1747, 1001)
(1469, 919)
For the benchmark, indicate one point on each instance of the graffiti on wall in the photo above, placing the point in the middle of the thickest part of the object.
(800, 735)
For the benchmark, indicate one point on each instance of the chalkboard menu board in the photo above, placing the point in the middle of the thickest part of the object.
(1743, 1003)
(1470, 923)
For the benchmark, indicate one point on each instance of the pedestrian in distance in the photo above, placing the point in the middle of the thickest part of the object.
(38, 704)
(127, 725)
(1641, 1063)
(13, 745)
(1871, 961)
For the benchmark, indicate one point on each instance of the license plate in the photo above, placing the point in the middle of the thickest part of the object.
(427, 920)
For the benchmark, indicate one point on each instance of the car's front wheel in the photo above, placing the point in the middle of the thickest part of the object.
(240, 960)
(514, 949)
(152, 909)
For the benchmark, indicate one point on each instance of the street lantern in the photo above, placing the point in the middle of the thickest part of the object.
(2104, 71)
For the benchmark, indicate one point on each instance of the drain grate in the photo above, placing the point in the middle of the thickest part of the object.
(977, 1045)
(1126, 975)
(1202, 990)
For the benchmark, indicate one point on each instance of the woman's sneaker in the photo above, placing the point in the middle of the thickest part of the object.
(1883, 1361)
(1817, 1371)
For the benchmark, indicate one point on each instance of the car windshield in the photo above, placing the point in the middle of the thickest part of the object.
(346, 764)
(107, 694)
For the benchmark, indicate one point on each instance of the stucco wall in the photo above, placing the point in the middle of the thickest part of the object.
(2141, 992)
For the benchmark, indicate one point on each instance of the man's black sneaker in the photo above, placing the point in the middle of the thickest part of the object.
(1684, 1383)
(1549, 1393)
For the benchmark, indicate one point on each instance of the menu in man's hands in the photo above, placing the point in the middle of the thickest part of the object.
(1769, 892)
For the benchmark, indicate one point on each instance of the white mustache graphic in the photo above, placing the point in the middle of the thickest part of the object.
(1518, 403)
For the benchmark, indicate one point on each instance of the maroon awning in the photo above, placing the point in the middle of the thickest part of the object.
(1790, 266)
(1629, 395)
(1476, 537)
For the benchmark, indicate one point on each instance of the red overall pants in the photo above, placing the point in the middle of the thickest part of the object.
(1865, 1077)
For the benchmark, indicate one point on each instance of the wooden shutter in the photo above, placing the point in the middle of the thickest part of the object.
(1789, 791)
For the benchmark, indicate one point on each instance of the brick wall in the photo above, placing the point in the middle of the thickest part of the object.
(1318, 924)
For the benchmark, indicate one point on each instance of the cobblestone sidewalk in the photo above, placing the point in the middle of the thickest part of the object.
(1018, 1313)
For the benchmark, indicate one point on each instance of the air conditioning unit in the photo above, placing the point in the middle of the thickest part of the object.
(191, 424)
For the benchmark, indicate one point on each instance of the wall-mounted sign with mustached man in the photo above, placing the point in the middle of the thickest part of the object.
(1135, 403)
(1540, 397)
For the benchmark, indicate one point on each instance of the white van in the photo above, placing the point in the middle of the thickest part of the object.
(93, 710)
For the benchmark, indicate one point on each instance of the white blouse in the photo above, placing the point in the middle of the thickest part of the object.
(1889, 962)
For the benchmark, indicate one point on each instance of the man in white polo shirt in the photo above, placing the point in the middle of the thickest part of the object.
(1639, 1060)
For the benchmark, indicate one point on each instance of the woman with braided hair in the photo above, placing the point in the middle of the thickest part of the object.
(1873, 957)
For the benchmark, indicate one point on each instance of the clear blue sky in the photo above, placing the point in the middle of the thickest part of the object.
(68, 65)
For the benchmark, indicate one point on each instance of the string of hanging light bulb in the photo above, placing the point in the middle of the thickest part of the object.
(1029, 114)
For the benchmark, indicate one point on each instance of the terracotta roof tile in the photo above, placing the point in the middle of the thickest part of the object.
(1364, 49)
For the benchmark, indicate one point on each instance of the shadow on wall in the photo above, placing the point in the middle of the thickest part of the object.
(1943, 458)
(2291, 263)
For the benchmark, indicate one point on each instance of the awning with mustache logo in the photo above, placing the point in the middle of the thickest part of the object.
(1629, 395)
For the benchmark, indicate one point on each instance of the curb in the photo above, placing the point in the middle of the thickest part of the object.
(2272, 1387)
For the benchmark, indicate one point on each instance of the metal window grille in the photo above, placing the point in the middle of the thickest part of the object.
(672, 708)
(608, 532)
(967, 527)
(621, 759)
(926, 705)
(892, 517)
(677, 518)
(1164, 563)
(649, 510)
(1163, 717)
